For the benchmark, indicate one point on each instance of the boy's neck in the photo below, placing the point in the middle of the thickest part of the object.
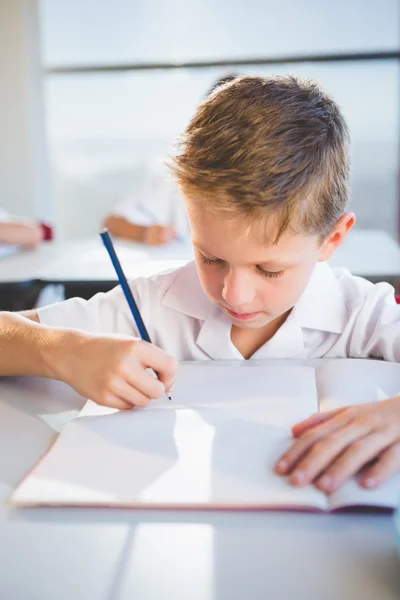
(248, 341)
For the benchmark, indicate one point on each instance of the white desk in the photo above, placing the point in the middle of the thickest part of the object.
(370, 253)
(24, 265)
(86, 261)
(85, 554)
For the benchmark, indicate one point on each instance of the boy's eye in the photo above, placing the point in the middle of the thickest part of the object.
(269, 273)
(218, 261)
(209, 261)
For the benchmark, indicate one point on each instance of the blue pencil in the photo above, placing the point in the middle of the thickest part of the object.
(105, 236)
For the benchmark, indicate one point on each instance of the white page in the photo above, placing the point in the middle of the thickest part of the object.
(350, 381)
(214, 444)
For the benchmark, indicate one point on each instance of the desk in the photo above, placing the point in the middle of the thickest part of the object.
(368, 253)
(373, 254)
(97, 554)
(19, 271)
(87, 261)
(24, 266)
(84, 267)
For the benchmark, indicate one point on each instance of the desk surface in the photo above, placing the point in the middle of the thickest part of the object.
(87, 261)
(370, 253)
(101, 554)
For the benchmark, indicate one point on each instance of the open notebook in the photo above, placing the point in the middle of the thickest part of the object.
(212, 446)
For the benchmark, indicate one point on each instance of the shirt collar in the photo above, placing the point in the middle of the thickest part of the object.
(186, 295)
(322, 305)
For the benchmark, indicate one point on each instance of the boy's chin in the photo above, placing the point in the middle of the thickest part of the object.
(257, 323)
(263, 320)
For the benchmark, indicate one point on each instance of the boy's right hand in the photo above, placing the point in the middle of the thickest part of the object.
(157, 235)
(111, 370)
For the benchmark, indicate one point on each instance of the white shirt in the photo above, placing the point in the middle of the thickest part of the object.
(339, 316)
(157, 202)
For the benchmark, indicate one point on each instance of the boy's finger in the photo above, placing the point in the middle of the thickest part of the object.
(356, 456)
(113, 401)
(169, 385)
(316, 419)
(154, 358)
(386, 465)
(144, 383)
(127, 393)
(322, 454)
(310, 437)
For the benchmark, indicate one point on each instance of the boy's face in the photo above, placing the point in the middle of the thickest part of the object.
(251, 281)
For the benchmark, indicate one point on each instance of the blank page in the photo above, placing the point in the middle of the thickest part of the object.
(213, 445)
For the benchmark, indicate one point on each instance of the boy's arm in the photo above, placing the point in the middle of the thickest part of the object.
(24, 345)
(109, 369)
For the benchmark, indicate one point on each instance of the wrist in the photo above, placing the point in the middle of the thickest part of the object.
(56, 349)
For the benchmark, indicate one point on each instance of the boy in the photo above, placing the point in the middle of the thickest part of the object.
(264, 171)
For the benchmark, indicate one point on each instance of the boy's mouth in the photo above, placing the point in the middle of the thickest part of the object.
(241, 316)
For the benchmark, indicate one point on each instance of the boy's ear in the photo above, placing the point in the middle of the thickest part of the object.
(336, 236)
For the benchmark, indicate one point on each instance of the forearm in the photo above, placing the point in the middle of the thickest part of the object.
(20, 233)
(120, 227)
(29, 348)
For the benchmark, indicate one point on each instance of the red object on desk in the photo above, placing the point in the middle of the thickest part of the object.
(397, 299)
(47, 232)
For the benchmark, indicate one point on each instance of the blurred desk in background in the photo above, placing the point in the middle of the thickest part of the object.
(84, 268)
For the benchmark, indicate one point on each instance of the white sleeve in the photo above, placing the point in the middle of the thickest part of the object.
(158, 202)
(132, 210)
(149, 204)
(376, 330)
(104, 313)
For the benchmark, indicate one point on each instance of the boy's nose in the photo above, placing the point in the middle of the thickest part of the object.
(237, 291)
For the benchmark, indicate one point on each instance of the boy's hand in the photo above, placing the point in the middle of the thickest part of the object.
(332, 447)
(111, 370)
(157, 235)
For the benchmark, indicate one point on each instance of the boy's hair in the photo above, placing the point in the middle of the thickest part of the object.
(221, 80)
(268, 146)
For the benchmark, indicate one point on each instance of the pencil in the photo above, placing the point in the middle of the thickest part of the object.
(105, 236)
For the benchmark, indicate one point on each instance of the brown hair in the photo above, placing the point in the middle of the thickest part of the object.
(262, 146)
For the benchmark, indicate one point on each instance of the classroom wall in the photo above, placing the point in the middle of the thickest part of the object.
(105, 130)
(24, 160)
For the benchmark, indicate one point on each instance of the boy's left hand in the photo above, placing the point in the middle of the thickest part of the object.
(331, 447)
